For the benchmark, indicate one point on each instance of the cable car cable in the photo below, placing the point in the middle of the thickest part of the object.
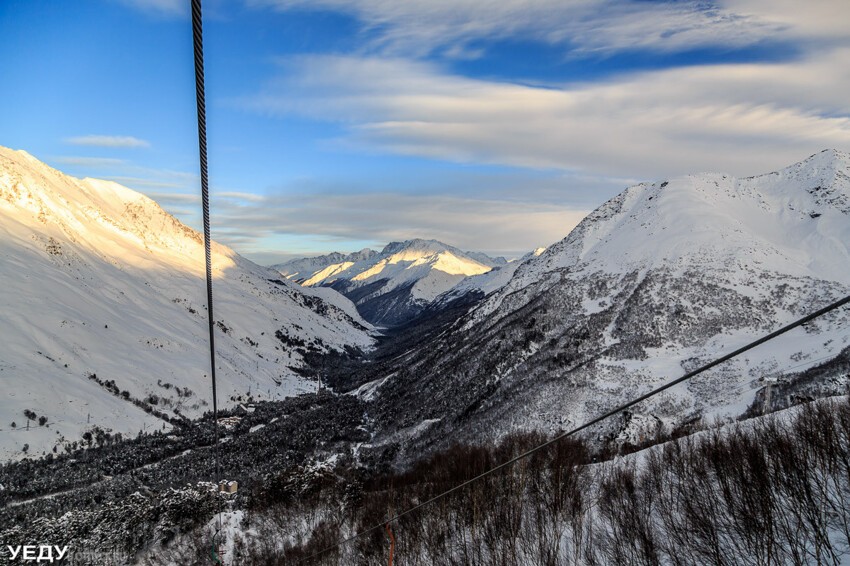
(596, 420)
(198, 48)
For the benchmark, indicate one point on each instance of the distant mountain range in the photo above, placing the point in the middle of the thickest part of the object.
(102, 327)
(395, 285)
(103, 321)
(104, 314)
(658, 280)
(478, 286)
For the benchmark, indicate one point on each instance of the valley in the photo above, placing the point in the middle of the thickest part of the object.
(345, 372)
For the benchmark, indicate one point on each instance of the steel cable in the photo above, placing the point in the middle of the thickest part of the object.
(596, 420)
(198, 44)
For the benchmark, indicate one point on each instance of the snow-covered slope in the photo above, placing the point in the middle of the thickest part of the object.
(656, 281)
(103, 319)
(481, 257)
(393, 286)
(489, 282)
(795, 221)
(302, 269)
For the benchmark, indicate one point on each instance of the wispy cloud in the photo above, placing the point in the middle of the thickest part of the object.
(108, 141)
(160, 7)
(173, 190)
(470, 223)
(238, 196)
(166, 199)
(144, 182)
(822, 21)
(93, 162)
(168, 187)
(453, 26)
(729, 117)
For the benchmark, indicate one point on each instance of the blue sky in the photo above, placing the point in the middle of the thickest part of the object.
(493, 125)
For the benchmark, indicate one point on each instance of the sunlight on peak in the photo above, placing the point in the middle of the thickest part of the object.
(410, 255)
(97, 220)
(453, 265)
(374, 270)
(327, 273)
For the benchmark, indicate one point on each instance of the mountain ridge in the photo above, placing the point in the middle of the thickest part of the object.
(663, 276)
(105, 300)
(395, 285)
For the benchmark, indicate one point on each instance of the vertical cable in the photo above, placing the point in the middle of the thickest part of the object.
(197, 33)
(197, 37)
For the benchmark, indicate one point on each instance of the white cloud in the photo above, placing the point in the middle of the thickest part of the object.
(741, 119)
(151, 181)
(165, 199)
(820, 20)
(108, 141)
(238, 196)
(418, 28)
(89, 162)
(160, 7)
(469, 223)
(143, 182)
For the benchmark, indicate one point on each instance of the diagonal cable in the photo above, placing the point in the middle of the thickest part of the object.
(596, 420)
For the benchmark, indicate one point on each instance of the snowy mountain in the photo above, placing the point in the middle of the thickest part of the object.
(655, 282)
(302, 269)
(486, 283)
(393, 286)
(103, 321)
(481, 257)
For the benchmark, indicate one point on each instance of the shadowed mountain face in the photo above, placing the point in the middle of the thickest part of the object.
(655, 282)
(103, 320)
(104, 314)
(393, 286)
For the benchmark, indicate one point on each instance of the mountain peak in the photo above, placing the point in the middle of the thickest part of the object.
(98, 280)
(825, 167)
(830, 155)
(424, 247)
(417, 245)
(652, 283)
(394, 285)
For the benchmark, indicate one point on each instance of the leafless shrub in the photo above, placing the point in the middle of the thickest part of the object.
(762, 492)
